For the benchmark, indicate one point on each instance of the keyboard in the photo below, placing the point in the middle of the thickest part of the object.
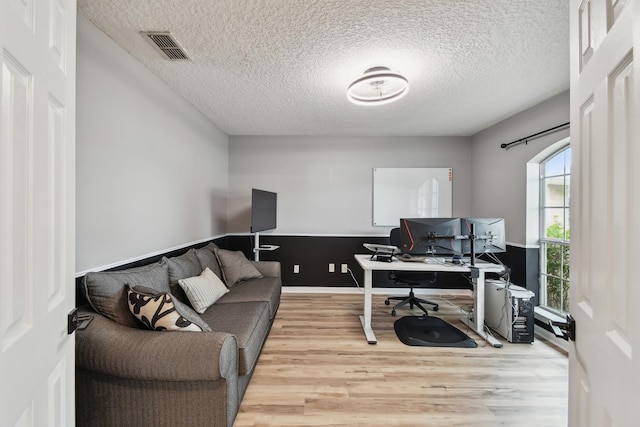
(411, 258)
(421, 258)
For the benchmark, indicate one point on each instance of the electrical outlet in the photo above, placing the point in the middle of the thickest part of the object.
(344, 268)
(296, 269)
(332, 268)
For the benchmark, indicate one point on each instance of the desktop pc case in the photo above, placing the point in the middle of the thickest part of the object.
(509, 311)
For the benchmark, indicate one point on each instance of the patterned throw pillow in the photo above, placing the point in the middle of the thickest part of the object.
(159, 311)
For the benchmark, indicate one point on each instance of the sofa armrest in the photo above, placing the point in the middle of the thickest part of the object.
(116, 350)
(268, 268)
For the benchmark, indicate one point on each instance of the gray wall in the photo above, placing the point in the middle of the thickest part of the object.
(499, 176)
(325, 184)
(152, 172)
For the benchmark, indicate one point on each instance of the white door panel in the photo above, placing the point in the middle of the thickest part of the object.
(37, 211)
(605, 208)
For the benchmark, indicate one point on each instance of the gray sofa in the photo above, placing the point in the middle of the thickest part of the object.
(129, 375)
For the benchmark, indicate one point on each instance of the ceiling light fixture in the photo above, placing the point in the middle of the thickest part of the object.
(378, 85)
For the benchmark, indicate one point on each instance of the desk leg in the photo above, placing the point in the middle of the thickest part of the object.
(478, 311)
(366, 318)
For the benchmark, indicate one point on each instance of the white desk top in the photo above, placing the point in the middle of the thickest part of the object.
(367, 264)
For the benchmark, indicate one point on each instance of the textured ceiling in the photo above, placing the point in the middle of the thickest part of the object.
(281, 67)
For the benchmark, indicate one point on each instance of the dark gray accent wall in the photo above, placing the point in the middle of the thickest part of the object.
(314, 253)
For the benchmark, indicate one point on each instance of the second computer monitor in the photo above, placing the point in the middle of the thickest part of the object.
(488, 235)
(421, 236)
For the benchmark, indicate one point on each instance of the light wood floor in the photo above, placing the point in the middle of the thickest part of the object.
(316, 369)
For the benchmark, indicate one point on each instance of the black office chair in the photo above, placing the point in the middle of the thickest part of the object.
(411, 279)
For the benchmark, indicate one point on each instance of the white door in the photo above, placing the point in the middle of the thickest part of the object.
(604, 368)
(37, 211)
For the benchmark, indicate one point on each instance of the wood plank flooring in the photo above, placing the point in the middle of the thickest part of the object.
(316, 369)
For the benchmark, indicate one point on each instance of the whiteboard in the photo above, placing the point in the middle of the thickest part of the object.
(411, 193)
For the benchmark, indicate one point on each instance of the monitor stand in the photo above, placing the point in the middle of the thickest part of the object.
(473, 245)
(257, 247)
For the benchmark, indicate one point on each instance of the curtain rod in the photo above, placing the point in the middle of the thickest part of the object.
(535, 135)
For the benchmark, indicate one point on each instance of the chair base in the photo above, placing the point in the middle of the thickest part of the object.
(412, 300)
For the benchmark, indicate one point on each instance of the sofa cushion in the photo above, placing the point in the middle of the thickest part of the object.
(106, 291)
(159, 311)
(212, 246)
(208, 259)
(236, 267)
(185, 265)
(248, 321)
(203, 290)
(266, 289)
(180, 267)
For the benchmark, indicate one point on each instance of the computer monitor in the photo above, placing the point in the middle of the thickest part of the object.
(421, 236)
(488, 235)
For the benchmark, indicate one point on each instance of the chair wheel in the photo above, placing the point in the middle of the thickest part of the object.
(435, 308)
(393, 312)
(386, 302)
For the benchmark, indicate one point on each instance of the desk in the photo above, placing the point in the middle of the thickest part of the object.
(478, 289)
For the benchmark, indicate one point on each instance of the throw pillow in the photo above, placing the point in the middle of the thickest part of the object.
(211, 246)
(160, 312)
(106, 291)
(203, 290)
(236, 267)
(208, 259)
(183, 266)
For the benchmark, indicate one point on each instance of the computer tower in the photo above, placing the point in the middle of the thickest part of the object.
(509, 311)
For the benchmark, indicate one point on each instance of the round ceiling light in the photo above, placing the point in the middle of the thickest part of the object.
(378, 85)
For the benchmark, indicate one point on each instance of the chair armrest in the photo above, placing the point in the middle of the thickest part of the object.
(268, 268)
(116, 350)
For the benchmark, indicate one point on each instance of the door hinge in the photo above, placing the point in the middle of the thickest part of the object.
(77, 321)
(565, 330)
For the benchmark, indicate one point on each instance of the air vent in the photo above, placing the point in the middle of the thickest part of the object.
(166, 44)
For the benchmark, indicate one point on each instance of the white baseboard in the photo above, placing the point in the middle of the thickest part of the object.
(375, 291)
(551, 339)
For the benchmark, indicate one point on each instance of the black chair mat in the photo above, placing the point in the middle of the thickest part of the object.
(428, 331)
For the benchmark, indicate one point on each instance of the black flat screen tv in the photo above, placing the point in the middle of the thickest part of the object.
(264, 208)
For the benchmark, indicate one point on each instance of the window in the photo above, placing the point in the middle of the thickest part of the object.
(554, 230)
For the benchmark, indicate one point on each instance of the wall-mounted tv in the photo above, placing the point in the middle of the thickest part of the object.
(264, 208)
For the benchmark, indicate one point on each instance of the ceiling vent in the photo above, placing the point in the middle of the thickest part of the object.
(167, 45)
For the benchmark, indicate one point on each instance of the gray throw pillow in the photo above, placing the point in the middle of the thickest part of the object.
(212, 247)
(106, 291)
(208, 259)
(159, 311)
(236, 267)
(185, 265)
(203, 290)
